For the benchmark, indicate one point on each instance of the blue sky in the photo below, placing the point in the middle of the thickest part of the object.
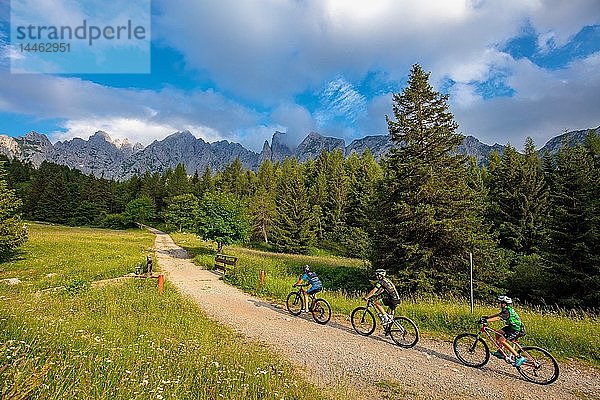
(238, 71)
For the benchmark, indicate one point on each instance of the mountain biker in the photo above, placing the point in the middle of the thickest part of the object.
(315, 284)
(514, 328)
(387, 290)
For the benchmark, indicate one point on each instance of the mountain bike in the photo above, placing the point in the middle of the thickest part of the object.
(472, 350)
(402, 330)
(319, 308)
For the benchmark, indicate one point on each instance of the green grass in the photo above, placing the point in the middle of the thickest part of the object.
(120, 340)
(565, 337)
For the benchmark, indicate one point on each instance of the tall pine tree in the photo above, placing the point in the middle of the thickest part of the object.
(293, 228)
(428, 216)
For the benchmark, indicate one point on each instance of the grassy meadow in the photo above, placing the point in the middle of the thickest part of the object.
(63, 337)
(565, 336)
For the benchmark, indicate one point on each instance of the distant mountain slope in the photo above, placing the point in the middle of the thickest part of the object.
(101, 156)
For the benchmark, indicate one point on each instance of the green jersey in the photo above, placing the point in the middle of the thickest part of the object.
(512, 319)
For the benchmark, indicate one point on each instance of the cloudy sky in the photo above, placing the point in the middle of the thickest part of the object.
(240, 70)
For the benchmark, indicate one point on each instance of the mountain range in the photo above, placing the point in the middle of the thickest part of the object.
(120, 160)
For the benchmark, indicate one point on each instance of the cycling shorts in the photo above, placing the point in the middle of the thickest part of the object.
(314, 290)
(390, 302)
(511, 334)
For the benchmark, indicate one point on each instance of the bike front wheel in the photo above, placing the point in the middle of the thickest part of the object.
(363, 321)
(541, 367)
(404, 332)
(321, 311)
(471, 350)
(294, 303)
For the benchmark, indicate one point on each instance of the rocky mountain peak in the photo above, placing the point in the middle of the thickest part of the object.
(100, 136)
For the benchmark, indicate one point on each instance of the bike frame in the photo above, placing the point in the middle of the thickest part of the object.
(311, 296)
(485, 329)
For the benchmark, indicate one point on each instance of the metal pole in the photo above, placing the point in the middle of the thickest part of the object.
(471, 262)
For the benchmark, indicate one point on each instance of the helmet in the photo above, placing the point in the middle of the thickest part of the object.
(380, 273)
(504, 299)
(306, 268)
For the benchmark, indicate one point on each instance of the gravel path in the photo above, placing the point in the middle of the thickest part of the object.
(350, 365)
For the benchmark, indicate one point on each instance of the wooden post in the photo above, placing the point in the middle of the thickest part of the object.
(262, 278)
(161, 283)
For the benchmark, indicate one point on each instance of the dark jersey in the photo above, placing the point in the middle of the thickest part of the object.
(386, 286)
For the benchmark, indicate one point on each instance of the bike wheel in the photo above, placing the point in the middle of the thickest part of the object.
(294, 303)
(540, 367)
(321, 311)
(363, 321)
(404, 332)
(471, 350)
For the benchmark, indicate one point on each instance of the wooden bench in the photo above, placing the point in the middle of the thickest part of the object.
(224, 262)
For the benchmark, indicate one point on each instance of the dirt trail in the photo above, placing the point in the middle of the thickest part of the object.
(334, 356)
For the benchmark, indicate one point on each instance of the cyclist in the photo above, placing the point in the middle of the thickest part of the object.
(315, 284)
(387, 290)
(514, 328)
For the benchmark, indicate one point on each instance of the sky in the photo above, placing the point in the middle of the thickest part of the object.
(241, 70)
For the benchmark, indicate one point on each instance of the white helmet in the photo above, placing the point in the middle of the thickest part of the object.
(380, 273)
(504, 299)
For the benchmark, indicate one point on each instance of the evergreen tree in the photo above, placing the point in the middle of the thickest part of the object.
(518, 198)
(428, 219)
(177, 182)
(232, 178)
(206, 183)
(573, 247)
(293, 230)
(13, 232)
(262, 212)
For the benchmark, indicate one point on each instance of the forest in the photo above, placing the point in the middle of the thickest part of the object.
(531, 221)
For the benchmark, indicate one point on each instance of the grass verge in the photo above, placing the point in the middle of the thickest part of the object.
(122, 340)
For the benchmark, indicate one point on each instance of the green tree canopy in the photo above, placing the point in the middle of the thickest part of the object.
(182, 212)
(140, 210)
(222, 218)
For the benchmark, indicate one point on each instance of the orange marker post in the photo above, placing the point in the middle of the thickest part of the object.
(262, 278)
(161, 284)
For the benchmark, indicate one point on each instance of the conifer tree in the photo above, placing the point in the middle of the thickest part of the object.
(293, 230)
(177, 182)
(427, 217)
(573, 247)
(12, 230)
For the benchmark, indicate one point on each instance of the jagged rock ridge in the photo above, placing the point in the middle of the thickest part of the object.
(119, 159)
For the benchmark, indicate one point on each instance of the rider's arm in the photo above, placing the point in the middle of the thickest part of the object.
(372, 292)
(300, 281)
(493, 318)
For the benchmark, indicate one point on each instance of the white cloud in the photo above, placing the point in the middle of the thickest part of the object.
(545, 104)
(135, 130)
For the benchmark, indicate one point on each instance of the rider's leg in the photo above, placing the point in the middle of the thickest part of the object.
(503, 340)
(305, 305)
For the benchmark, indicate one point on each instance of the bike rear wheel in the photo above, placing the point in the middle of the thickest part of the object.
(404, 332)
(540, 367)
(471, 350)
(363, 321)
(294, 303)
(321, 311)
